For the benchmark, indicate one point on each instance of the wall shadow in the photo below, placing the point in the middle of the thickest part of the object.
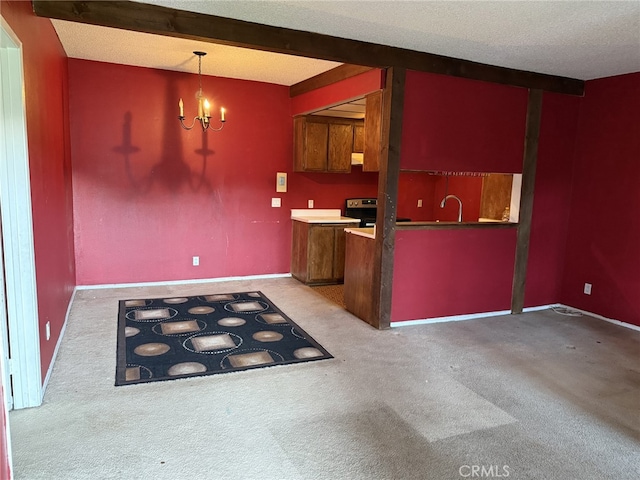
(171, 172)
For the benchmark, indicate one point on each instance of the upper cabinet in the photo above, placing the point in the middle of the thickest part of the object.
(372, 132)
(310, 145)
(358, 138)
(456, 124)
(325, 144)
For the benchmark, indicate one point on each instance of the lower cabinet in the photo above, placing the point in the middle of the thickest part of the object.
(317, 252)
(359, 297)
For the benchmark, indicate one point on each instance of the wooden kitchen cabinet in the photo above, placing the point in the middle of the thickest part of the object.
(495, 198)
(322, 144)
(316, 147)
(358, 137)
(317, 254)
(372, 132)
(340, 147)
(359, 296)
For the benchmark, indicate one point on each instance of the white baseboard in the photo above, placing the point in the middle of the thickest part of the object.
(58, 343)
(473, 316)
(453, 318)
(541, 307)
(183, 282)
(600, 317)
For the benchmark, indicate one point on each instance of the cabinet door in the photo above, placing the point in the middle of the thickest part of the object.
(299, 132)
(320, 254)
(315, 147)
(338, 253)
(372, 132)
(340, 147)
(496, 195)
(299, 248)
(358, 138)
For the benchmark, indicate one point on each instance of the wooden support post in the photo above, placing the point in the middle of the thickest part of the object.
(392, 110)
(532, 133)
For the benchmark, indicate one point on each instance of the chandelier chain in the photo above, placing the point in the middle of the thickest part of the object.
(200, 72)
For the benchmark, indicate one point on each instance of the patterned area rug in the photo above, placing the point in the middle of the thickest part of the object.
(167, 338)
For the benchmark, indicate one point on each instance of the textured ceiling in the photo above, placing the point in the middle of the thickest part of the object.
(577, 39)
(104, 44)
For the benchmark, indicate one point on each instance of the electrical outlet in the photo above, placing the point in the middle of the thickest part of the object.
(587, 289)
(419, 203)
(47, 329)
(309, 203)
(276, 202)
(196, 261)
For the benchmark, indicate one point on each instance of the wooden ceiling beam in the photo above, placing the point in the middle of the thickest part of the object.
(146, 18)
(329, 77)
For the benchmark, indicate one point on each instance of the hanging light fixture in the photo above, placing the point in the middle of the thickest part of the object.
(204, 107)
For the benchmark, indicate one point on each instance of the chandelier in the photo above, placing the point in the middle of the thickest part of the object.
(204, 107)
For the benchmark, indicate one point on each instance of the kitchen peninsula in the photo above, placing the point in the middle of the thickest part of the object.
(360, 245)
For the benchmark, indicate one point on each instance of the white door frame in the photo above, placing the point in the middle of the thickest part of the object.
(5, 380)
(17, 227)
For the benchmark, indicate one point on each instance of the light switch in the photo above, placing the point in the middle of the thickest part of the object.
(420, 202)
(276, 202)
(309, 203)
(281, 182)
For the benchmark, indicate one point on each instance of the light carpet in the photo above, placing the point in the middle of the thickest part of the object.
(543, 395)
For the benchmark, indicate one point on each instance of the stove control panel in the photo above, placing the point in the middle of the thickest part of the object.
(362, 202)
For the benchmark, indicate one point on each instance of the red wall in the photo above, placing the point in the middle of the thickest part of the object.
(446, 272)
(329, 190)
(604, 231)
(50, 167)
(337, 93)
(468, 189)
(141, 216)
(455, 124)
(431, 190)
(582, 226)
(414, 186)
(552, 199)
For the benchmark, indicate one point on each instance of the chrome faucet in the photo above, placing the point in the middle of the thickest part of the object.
(444, 201)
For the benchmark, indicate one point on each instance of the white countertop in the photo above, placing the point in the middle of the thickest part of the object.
(369, 232)
(482, 219)
(318, 215)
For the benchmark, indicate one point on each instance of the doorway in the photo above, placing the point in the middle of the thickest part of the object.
(20, 333)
